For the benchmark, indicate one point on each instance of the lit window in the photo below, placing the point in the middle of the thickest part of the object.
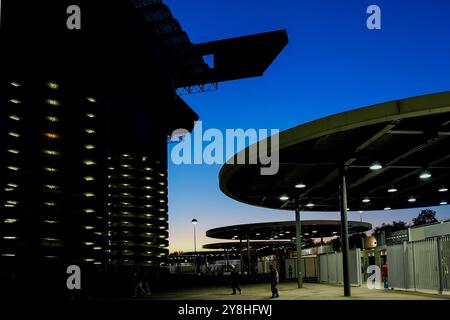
(14, 134)
(51, 169)
(97, 248)
(125, 185)
(50, 222)
(15, 101)
(125, 166)
(89, 195)
(89, 227)
(148, 169)
(53, 85)
(89, 243)
(53, 102)
(9, 238)
(89, 147)
(162, 201)
(16, 84)
(12, 185)
(89, 178)
(161, 192)
(52, 135)
(89, 260)
(9, 255)
(148, 224)
(148, 187)
(162, 174)
(50, 204)
(89, 162)
(148, 178)
(12, 168)
(89, 210)
(51, 187)
(13, 151)
(15, 118)
(91, 99)
(52, 119)
(90, 115)
(52, 152)
(10, 221)
(90, 131)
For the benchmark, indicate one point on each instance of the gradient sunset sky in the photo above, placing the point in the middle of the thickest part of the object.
(332, 63)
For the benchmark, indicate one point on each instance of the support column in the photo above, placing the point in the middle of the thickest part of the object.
(298, 242)
(344, 230)
(227, 259)
(240, 255)
(248, 255)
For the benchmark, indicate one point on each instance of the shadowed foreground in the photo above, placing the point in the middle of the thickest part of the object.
(289, 291)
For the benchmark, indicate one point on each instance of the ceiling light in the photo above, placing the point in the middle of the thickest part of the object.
(376, 166)
(412, 200)
(443, 203)
(443, 189)
(310, 205)
(387, 208)
(392, 190)
(284, 198)
(366, 200)
(300, 186)
(425, 175)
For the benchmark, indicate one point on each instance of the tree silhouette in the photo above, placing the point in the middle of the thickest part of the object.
(425, 217)
(388, 228)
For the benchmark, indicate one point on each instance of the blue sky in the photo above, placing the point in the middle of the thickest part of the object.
(332, 63)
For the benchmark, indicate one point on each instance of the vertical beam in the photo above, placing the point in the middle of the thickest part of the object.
(226, 257)
(240, 255)
(344, 230)
(248, 254)
(440, 266)
(298, 242)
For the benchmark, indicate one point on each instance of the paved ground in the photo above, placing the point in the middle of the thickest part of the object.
(289, 291)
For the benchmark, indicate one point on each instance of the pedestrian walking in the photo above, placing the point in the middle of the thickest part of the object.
(274, 280)
(234, 277)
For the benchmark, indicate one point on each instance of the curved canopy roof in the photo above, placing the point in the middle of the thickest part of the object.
(286, 230)
(407, 137)
(253, 244)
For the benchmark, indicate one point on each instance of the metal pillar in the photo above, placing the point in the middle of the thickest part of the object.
(240, 254)
(248, 254)
(298, 242)
(344, 230)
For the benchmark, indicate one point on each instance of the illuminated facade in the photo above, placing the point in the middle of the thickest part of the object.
(85, 117)
(52, 175)
(138, 228)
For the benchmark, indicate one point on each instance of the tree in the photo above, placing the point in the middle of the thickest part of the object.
(388, 228)
(426, 216)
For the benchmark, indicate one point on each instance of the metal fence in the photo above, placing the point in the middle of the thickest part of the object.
(330, 267)
(420, 265)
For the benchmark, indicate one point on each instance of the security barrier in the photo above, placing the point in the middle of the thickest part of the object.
(420, 265)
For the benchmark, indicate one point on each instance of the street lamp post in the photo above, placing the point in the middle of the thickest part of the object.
(194, 222)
